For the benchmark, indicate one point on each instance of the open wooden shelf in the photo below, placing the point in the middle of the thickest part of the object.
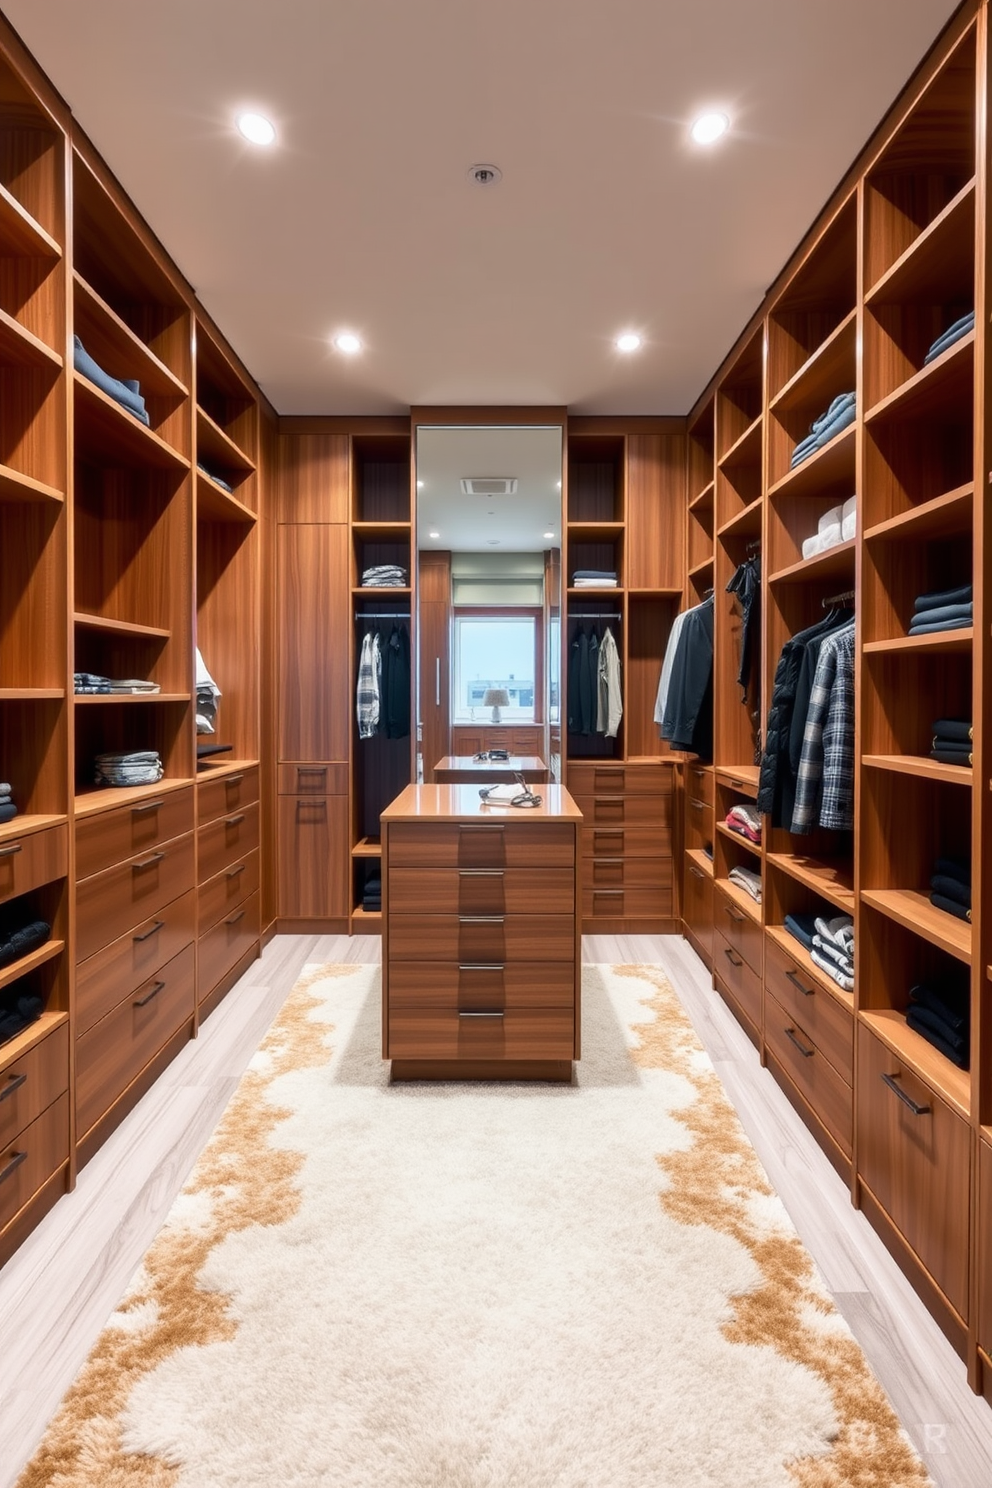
(382, 531)
(835, 563)
(384, 591)
(700, 568)
(109, 435)
(833, 881)
(912, 909)
(105, 797)
(20, 235)
(944, 516)
(108, 338)
(935, 256)
(584, 593)
(746, 449)
(21, 348)
(920, 766)
(740, 898)
(936, 386)
(703, 502)
(934, 1068)
(15, 486)
(826, 368)
(799, 953)
(130, 698)
(119, 627)
(219, 765)
(745, 523)
(30, 694)
(752, 847)
(27, 963)
(739, 777)
(214, 446)
(702, 862)
(367, 848)
(214, 504)
(15, 1048)
(938, 640)
(30, 822)
(823, 470)
(368, 917)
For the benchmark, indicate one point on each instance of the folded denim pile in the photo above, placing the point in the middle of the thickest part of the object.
(745, 821)
(7, 808)
(217, 479)
(942, 1015)
(207, 695)
(594, 578)
(22, 940)
(841, 413)
(385, 576)
(372, 893)
(950, 887)
(802, 927)
(837, 525)
(953, 333)
(132, 767)
(18, 1010)
(952, 741)
(127, 392)
(946, 609)
(89, 682)
(747, 880)
(833, 949)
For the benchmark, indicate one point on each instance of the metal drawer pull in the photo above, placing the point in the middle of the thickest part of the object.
(157, 987)
(145, 807)
(233, 779)
(734, 960)
(8, 852)
(233, 821)
(14, 1083)
(790, 976)
(696, 872)
(303, 770)
(302, 805)
(481, 919)
(806, 1053)
(437, 681)
(737, 785)
(235, 871)
(738, 919)
(478, 1015)
(480, 873)
(233, 920)
(482, 966)
(907, 1100)
(158, 925)
(147, 862)
(481, 827)
(15, 1162)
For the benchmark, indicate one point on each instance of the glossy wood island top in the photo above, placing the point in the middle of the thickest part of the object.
(462, 803)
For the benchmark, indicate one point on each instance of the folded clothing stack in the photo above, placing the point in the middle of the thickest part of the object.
(953, 333)
(837, 525)
(18, 1010)
(207, 694)
(833, 949)
(133, 767)
(952, 741)
(91, 682)
(372, 894)
(841, 413)
(22, 940)
(947, 609)
(127, 393)
(747, 880)
(802, 927)
(950, 887)
(594, 578)
(7, 808)
(942, 1015)
(384, 576)
(746, 821)
(218, 480)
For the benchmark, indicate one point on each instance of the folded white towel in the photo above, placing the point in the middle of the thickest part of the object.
(848, 528)
(849, 508)
(812, 546)
(831, 518)
(830, 537)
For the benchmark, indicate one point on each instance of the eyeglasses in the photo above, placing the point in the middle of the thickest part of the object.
(525, 797)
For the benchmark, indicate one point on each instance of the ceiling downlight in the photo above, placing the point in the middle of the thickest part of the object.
(485, 175)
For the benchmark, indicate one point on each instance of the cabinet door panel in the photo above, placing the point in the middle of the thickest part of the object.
(312, 659)
(313, 857)
(697, 907)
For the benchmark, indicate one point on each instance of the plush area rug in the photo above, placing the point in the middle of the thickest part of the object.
(458, 1286)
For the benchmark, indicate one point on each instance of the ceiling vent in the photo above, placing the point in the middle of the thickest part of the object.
(489, 485)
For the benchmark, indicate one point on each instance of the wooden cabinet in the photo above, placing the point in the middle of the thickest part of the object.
(626, 844)
(313, 857)
(312, 663)
(985, 1248)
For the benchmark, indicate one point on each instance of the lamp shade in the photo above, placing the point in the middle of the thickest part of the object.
(496, 697)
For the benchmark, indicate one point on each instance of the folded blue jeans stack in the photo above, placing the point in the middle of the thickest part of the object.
(947, 609)
(941, 1015)
(841, 413)
(127, 393)
(953, 333)
(950, 888)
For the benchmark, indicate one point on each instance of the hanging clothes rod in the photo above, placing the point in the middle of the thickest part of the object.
(597, 615)
(382, 614)
(836, 599)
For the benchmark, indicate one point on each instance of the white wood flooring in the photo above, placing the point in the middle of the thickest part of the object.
(57, 1292)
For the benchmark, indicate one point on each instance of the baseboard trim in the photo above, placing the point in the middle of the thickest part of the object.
(129, 1098)
(559, 1070)
(227, 981)
(809, 1116)
(292, 926)
(951, 1324)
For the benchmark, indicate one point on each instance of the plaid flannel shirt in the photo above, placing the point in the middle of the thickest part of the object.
(368, 693)
(825, 786)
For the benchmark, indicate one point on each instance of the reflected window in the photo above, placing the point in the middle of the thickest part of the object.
(495, 652)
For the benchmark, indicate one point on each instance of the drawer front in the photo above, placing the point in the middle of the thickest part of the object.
(453, 938)
(221, 895)
(628, 873)
(116, 1050)
(30, 1160)
(225, 944)
(738, 929)
(118, 899)
(627, 903)
(697, 906)
(313, 780)
(612, 780)
(918, 1166)
(737, 977)
(829, 1024)
(225, 794)
(530, 1033)
(224, 842)
(698, 823)
(447, 986)
(626, 842)
(314, 858)
(811, 1072)
(487, 845)
(627, 810)
(36, 858)
(112, 974)
(699, 783)
(482, 891)
(124, 832)
(31, 1083)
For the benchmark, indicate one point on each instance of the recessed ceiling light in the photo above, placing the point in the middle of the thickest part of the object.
(347, 342)
(709, 127)
(485, 175)
(257, 129)
(433, 534)
(629, 341)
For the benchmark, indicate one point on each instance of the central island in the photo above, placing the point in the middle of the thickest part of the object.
(481, 954)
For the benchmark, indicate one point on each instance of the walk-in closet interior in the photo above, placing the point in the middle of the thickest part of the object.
(747, 638)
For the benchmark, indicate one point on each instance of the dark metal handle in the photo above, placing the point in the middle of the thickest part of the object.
(482, 966)
(158, 925)
(233, 920)
(737, 785)
(235, 871)
(304, 770)
(697, 805)
(157, 987)
(233, 779)
(734, 960)
(479, 1015)
(806, 1053)
(480, 873)
(733, 914)
(696, 872)
(233, 821)
(311, 806)
(481, 919)
(147, 862)
(15, 1162)
(8, 852)
(145, 807)
(602, 893)
(790, 976)
(14, 1083)
(907, 1100)
(481, 827)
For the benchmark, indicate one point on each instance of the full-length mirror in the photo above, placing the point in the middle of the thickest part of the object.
(489, 597)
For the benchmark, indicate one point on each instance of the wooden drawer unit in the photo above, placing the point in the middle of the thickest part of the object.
(816, 1079)
(224, 945)
(699, 782)
(33, 859)
(699, 827)
(914, 1154)
(462, 938)
(626, 842)
(697, 906)
(741, 982)
(221, 895)
(225, 794)
(737, 928)
(529, 1033)
(115, 1050)
(481, 845)
(829, 1023)
(116, 900)
(314, 863)
(482, 891)
(449, 987)
(611, 780)
(107, 837)
(626, 903)
(37, 1152)
(32, 1082)
(224, 842)
(313, 780)
(628, 873)
(104, 980)
(626, 810)
(985, 1246)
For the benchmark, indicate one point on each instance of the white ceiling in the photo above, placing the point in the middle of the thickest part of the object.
(363, 217)
(510, 524)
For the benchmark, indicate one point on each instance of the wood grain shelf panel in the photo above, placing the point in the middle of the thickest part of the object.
(939, 640)
(934, 387)
(15, 486)
(19, 1045)
(208, 770)
(384, 592)
(740, 898)
(828, 366)
(366, 848)
(752, 847)
(30, 694)
(697, 856)
(746, 523)
(700, 568)
(119, 627)
(21, 348)
(108, 434)
(595, 531)
(800, 954)
(945, 516)
(919, 766)
(579, 593)
(382, 531)
(20, 234)
(33, 959)
(24, 826)
(105, 798)
(933, 255)
(128, 698)
(835, 563)
(212, 443)
(368, 917)
(827, 467)
(912, 909)
(832, 881)
(746, 449)
(217, 505)
(937, 1071)
(106, 336)
(703, 501)
(739, 777)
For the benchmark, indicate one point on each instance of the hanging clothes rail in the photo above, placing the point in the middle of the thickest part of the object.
(836, 599)
(382, 614)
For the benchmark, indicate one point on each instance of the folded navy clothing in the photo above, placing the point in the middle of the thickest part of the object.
(951, 757)
(939, 1025)
(15, 944)
(127, 392)
(964, 611)
(956, 1056)
(953, 868)
(954, 728)
(962, 595)
(18, 1010)
(802, 927)
(218, 480)
(947, 338)
(953, 1004)
(841, 413)
(930, 629)
(952, 888)
(595, 573)
(950, 906)
(7, 812)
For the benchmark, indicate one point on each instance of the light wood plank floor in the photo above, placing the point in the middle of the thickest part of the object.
(58, 1291)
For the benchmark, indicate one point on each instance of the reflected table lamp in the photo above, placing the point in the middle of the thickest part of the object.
(496, 698)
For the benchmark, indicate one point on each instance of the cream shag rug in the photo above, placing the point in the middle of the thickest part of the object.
(427, 1286)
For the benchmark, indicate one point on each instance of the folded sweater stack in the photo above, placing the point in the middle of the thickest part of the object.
(207, 696)
(18, 1010)
(15, 943)
(746, 821)
(133, 767)
(837, 525)
(950, 888)
(7, 808)
(952, 741)
(384, 576)
(802, 927)
(747, 880)
(841, 413)
(372, 893)
(948, 609)
(953, 333)
(127, 392)
(594, 578)
(942, 1015)
(833, 949)
(85, 683)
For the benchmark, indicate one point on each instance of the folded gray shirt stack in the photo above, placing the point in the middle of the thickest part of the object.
(134, 767)
(7, 808)
(833, 950)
